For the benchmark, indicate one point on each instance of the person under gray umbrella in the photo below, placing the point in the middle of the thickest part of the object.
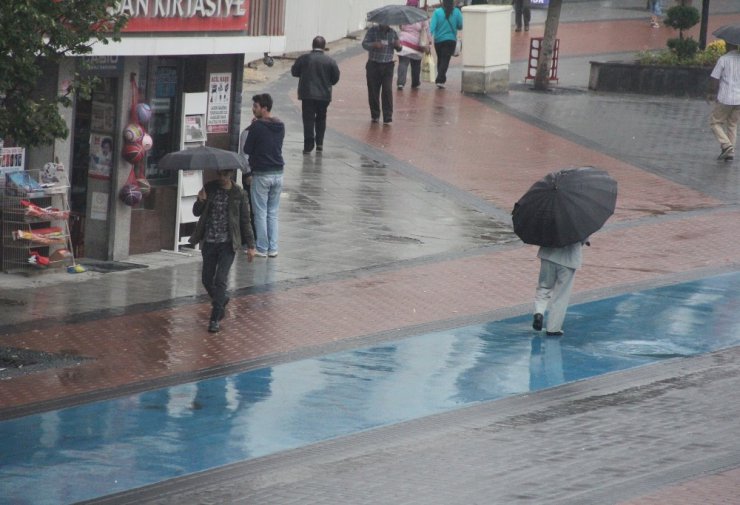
(724, 86)
(223, 227)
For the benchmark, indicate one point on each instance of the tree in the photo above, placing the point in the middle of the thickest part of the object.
(704, 24)
(544, 61)
(35, 34)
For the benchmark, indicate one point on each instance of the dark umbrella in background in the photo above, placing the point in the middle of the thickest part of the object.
(202, 158)
(397, 15)
(728, 33)
(565, 207)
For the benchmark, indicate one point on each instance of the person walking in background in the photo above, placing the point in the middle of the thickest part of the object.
(416, 40)
(223, 227)
(656, 10)
(558, 267)
(316, 73)
(264, 147)
(725, 87)
(446, 21)
(522, 12)
(380, 41)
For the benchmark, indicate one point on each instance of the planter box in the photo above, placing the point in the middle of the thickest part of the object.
(625, 77)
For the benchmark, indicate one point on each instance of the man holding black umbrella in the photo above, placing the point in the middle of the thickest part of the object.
(223, 227)
(558, 267)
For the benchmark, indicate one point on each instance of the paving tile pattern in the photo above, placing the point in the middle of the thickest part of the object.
(677, 215)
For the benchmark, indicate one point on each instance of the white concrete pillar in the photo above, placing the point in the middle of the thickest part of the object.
(486, 48)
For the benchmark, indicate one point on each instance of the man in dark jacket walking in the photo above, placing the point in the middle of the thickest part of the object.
(223, 228)
(316, 73)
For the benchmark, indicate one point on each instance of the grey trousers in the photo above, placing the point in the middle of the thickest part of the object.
(553, 293)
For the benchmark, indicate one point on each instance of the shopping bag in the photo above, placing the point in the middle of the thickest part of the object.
(428, 68)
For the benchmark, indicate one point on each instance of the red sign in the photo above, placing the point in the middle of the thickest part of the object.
(185, 15)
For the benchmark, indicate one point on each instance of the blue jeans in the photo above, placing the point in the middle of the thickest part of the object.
(265, 193)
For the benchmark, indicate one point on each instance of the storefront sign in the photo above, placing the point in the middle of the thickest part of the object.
(103, 66)
(185, 15)
(219, 93)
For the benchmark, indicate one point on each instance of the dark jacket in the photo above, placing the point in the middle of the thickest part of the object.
(264, 145)
(317, 73)
(240, 228)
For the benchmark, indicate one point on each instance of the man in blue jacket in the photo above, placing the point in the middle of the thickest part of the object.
(264, 147)
(316, 73)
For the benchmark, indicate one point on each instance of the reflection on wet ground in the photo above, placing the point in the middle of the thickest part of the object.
(140, 439)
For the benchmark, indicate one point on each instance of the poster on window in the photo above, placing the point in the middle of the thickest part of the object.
(219, 92)
(101, 156)
(102, 116)
(194, 128)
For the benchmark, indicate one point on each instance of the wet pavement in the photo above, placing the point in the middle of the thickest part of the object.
(400, 235)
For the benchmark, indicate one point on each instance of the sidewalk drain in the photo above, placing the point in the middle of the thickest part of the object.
(15, 362)
(398, 240)
(109, 266)
(9, 302)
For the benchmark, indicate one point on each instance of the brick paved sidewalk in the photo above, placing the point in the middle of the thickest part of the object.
(662, 231)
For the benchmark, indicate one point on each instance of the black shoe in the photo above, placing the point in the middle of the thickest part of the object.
(518, 29)
(319, 149)
(213, 326)
(537, 321)
(728, 151)
(554, 333)
(223, 311)
(387, 121)
(373, 120)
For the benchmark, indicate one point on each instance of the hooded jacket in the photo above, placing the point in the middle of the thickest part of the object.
(264, 145)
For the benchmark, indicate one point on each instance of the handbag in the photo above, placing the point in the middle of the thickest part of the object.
(458, 42)
(428, 68)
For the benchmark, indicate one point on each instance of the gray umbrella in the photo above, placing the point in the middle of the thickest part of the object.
(565, 207)
(397, 15)
(202, 158)
(728, 33)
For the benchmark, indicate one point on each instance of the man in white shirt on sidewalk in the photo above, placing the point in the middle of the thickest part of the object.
(725, 85)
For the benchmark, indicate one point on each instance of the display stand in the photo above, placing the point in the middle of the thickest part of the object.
(35, 220)
(189, 182)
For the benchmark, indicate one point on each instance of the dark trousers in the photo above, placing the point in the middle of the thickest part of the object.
(217, 261)
(521, 12)
(403, 67)
(314, 122)
(379, 88)
(445, 50)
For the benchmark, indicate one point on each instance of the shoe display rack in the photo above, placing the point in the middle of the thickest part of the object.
(34, 213)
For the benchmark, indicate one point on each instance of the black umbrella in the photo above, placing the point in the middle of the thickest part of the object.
(397, 15)
(202, 158)
(565, 207)
(728, 33)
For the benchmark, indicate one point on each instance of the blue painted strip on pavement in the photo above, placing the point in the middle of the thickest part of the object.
(110, 446)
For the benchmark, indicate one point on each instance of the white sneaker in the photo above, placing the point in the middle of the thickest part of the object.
(440, 85)
(260, 254)
(272, 254)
